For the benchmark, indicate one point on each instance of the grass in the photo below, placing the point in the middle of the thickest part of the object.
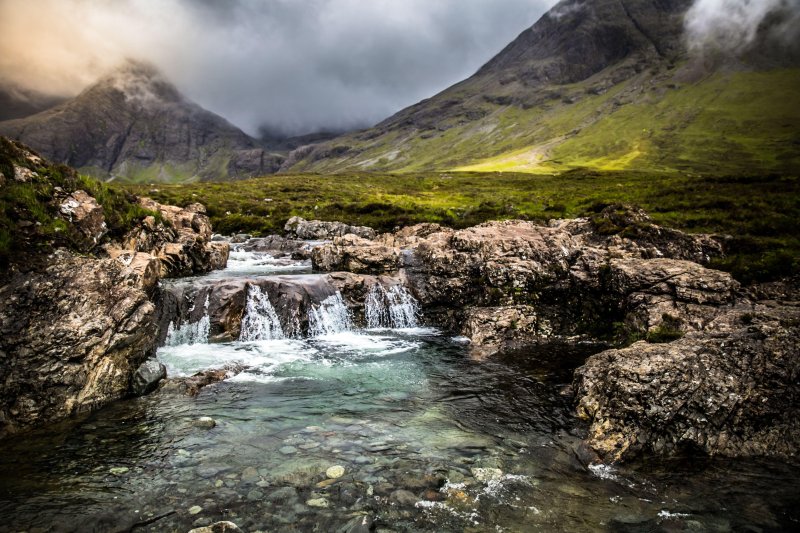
(29, 216)
(758, 212)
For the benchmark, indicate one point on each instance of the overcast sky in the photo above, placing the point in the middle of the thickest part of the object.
(293, 65)
(298, 66)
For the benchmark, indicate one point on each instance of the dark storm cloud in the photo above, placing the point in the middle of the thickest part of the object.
(290, 65)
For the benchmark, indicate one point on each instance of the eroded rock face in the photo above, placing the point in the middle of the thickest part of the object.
(72, 336)
(300, 228)
(184, 247)
(291, 297)
(83, 211)
(730, 390)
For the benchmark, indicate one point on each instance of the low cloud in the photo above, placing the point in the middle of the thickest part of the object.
(292, 67)
(735, 25)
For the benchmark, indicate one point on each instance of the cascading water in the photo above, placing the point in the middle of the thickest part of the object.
(191, 333)
(330, 316)
(392, 308)
(260, 322)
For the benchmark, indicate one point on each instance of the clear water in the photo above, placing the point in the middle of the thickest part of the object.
(478, 446)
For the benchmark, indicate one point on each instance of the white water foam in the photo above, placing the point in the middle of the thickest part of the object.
(190, 333)
(394, 307)
(260, 357)
(260, 322)
(329, 317)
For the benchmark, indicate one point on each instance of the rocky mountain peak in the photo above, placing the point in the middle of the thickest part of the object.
(141, 83)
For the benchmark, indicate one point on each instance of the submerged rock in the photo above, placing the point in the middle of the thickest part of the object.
(217, 527)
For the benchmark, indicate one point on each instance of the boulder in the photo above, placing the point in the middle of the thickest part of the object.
(300, 228)
(729, 390)
(218, 527)
(71, 337)
(148, 376)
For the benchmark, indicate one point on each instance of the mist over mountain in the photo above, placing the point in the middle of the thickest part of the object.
(134, 124)
(293, 67)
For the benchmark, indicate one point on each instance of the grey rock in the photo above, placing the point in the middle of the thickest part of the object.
(300, 228)
(73, 335)
(403, 498)
(729, 390)
(147, 376)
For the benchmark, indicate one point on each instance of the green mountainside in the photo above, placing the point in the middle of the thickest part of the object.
(603, 85)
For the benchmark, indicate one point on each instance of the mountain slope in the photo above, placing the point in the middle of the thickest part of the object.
(604, 84)
(135, 125)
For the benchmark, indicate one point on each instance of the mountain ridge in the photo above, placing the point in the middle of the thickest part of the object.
(134, 124)
(542, 103)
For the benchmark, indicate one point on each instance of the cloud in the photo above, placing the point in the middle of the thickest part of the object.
(291, 66)
(735, 25)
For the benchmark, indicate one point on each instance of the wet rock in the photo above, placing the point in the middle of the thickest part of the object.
(72, 336)
(318, 502)
(195, 509)
(335, 472)
(403, 498)
(147, 377)
(287, 450)
(484, 475)
(192, 385)
(300, 228)
(729, 390)
(204, 422)
(358, 524)
(218, 527)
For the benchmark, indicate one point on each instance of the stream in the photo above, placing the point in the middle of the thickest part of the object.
(428, 440)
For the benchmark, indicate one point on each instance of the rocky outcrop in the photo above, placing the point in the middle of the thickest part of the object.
(517, 282)
(86, 215)
(72, 337)
(300, 228)
(183, 246)
(76, 319)
(716, 367)
(731, 389)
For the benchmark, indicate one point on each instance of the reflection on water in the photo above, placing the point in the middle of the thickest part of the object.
(429, 441)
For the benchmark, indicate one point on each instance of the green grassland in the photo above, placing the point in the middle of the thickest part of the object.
(760, 213)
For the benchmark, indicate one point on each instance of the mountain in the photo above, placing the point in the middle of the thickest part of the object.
(135, 125)
(599, 84)
(18, 102)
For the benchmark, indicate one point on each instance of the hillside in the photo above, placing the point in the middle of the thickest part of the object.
(135, 125)
(605, 85)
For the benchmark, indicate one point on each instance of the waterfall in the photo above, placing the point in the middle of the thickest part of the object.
(191, 333)
(330, 316)
(260, 321)
(392, 308)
